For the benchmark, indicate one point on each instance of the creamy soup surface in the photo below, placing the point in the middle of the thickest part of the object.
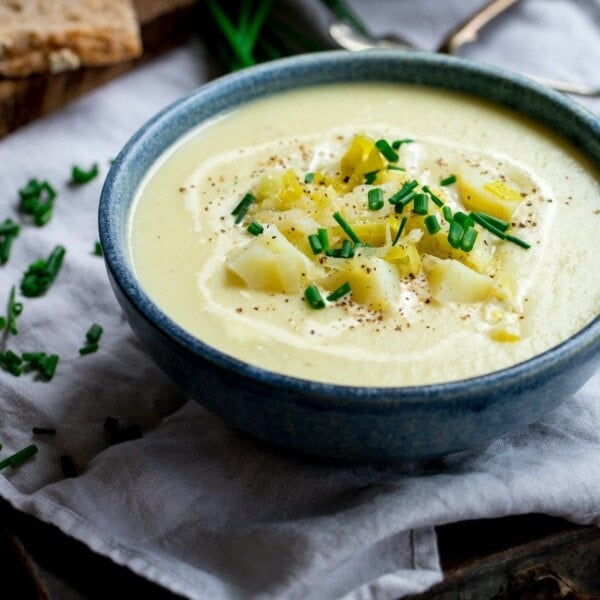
(414, 308)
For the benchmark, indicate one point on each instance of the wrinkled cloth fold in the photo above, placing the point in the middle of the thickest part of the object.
(194, 505)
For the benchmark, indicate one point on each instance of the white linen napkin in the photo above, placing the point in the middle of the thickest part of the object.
(194, 505)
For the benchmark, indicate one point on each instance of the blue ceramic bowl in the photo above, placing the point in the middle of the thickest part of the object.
(365, 423)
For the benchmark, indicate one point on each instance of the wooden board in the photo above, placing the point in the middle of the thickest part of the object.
(164, 23)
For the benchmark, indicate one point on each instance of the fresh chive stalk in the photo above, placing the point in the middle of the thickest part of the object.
(9, 230)
(313, 297)
(347, 249)
(18, 458)
(339, 292)
(386, 150)
(14, 310)
(468, 239)
(432, 224)
(346, 227)
(448, 180)
(435, 199)
(315, 243)
(255, 228)
(80, 176)
(239, 212)
(323, 238)
(406, 189)
(397, 143)
(420, 204)
(400, 230)
(37, 200)
(455, 234)
(371, 176)
(375, 199)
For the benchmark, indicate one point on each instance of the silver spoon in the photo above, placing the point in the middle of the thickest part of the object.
(348, 37)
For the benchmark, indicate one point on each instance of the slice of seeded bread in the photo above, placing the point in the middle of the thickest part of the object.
(59, 35)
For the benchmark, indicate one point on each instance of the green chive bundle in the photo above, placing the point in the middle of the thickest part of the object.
(37, 199)
(41, 273)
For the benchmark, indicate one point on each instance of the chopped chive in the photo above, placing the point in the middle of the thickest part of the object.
(255, 228)
(14, 310)
(334, 252)
(347, 250)
(420, 204)
(46, 364)
(397, 143)
(323, 238)
(460, 217)
(406, 189)
(455, 234)
(313, 297)
(486, 224)
(18, 458)
(346, 227)
(68, 466)
(309, 178)
(518, 241)
(98, 249)
(43, 431)
(339, 292)
(399, 207)
(239, 212)
(437, 201)
(80, 176)
(400, 230)
(500, 224)
(375, 199)
(395, 168)
(370, 177)
(9, 230)
(432, 224)
(315, 243)
(447, 213)
(468, 239)
(386, 150)
(88, 349)
(11, 363)
(448, 180)
(37, 200)
(41, 273)
(94, 333)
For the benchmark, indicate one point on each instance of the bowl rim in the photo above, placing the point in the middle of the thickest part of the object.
(334, 395)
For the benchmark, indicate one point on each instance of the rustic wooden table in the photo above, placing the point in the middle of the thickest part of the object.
(531, 557)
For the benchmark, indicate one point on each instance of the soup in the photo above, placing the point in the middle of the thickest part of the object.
(371, 234)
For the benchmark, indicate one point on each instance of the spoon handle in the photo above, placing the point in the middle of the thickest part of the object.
(468, 31)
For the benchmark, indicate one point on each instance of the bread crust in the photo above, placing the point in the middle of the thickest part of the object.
(57, 35)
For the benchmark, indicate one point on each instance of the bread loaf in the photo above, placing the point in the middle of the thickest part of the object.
(58, 35)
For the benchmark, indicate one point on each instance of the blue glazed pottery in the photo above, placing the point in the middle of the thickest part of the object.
(343, 422)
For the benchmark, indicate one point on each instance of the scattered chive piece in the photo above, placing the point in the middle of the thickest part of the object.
(486, 224)
(346, 227)
(448, 180)
(80, 176)
(323, 238)
(420, 204)
(239, 212)
(447, 213)
(37, 199)
(9, 230)
(14, 310)
(397, 143)
(432, 224)
(375, 199)
(41, 273)
(313, 297)
(406, 189)
(46, 364)
(518, 241)
(386, 150)
(455, 234)
(468, 239)
(460, 217)
(339, 292)
(43, 431)
(315, 243)
(98, 249)
(346, 251)
(68, 466)
(399, 207)
(395, 168)
(88, 349)
(437, 201)
(334, 252)
(400, 230)
(11, 362)
(18, 458)
(255, 228)
(309, 178)
(371, 176)
(500, 224)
